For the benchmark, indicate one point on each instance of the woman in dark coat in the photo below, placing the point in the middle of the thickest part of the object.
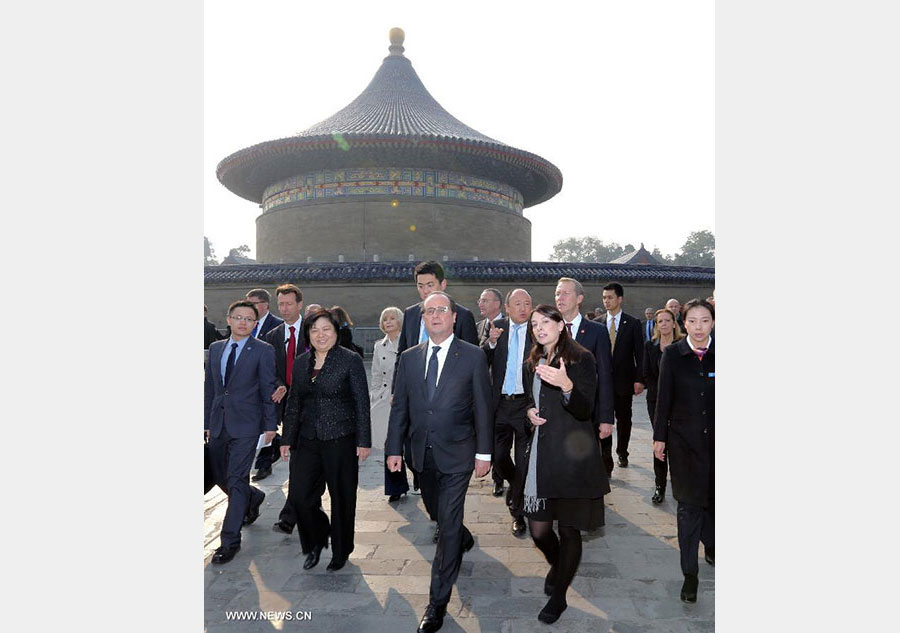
(326, 430)
(566, 479)
(665, 332)
(345, 334)
(685, 433)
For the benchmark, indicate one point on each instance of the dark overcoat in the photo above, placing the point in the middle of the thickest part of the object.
(569, 462)
(686, 419)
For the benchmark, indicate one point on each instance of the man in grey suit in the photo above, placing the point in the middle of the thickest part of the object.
(237, 409)
(442, 403)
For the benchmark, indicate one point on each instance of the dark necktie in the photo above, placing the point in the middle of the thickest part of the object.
(229, 363)
(291, 352)
(432, 373)
(569, 328)
(700, 352)
(255, 330)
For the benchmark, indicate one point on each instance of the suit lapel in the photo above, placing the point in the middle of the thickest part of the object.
(419, 367)
(215, 361)
(249, 348)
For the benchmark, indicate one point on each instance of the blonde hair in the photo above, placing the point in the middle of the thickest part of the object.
(677, 334)
(391, 310)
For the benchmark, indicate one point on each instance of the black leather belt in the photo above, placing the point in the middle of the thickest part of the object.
(517, 396)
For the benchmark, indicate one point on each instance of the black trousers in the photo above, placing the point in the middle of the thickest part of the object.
(695, 524)
(336, 461)
(448, 491)
(231, 459)
(660, 467)
(509, 432)
(622, 406)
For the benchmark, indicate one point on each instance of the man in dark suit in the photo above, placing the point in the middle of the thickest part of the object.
(569, 297)
(506, 348)
(289, 342)
(648, 323)
(441, 403)
(675, 306)
(210, 333)
(627, 345)
(261, 298)
(489, 306)
(429, 278)
(238, 408)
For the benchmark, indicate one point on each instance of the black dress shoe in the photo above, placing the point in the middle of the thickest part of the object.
(336, 564)
(498, 489)
(623, 461)
(437, 534)
(551, 612)
(225, 554)
(433, 619)
(518, 527)
(689, 588)
(709, 555)
(312, 559)
(394, 498)
(284, 528)
(659, 495)
(550, 581)
(253, 511)
(467, 545)
(262, 473)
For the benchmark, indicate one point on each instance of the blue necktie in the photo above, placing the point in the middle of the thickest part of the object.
(229, 364)
(512, 361)
(423, 333)
(431, 374)
(255, 328)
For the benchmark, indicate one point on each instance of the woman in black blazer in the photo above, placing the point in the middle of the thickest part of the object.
(685, 433)
(665, 332)
(326, 429)
(566, 479)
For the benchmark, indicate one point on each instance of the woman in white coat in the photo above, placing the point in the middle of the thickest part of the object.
(384, 358)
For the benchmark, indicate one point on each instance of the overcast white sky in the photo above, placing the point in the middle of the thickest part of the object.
(618, 95)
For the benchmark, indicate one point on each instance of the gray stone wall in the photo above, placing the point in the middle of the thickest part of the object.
(359, 229)
(365, 301)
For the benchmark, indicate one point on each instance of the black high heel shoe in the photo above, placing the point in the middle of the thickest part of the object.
(551, 612)
(312, 559)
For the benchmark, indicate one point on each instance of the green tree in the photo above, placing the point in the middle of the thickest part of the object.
(699, 250)
(209, 253)
(661, 257)
(587, 249)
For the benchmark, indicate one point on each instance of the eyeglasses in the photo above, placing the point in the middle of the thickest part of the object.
(437, 310)
(240, 318)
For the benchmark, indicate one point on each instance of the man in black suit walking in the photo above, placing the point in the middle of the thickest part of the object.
(507, 347)
(569, 297)
(429, 277)
(441, 403)
(648, 324)
(237, 409)
(489, 306)
(627, 345)
(261, 298)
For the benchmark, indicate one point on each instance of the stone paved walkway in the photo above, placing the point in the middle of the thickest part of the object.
(628, 582)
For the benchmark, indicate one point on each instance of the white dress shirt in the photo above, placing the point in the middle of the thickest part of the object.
(441, 357)
(610, 319)
(576, 323)
(287, 332)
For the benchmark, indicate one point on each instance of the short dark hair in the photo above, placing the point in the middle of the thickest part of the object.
(286, 289)
(429, 268)
(442, 294)
(342, 315)
(243, 303)
(259, 293)
(698, 303)
(315, 316)
(494, 292)
(615, 287)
